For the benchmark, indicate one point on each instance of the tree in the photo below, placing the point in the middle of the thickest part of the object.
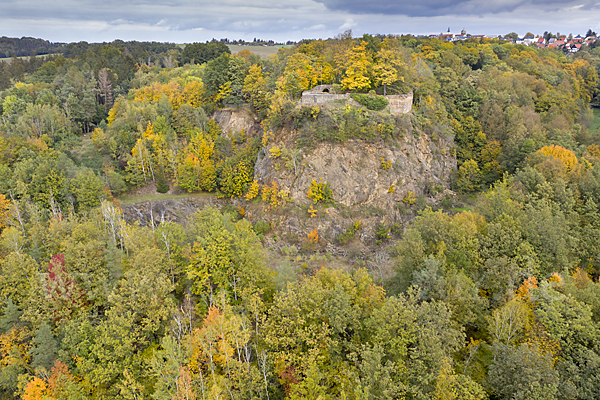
(62, 292)
(385, 68)
(105, 89)
(89, 190)
(46, 348)
(36, 389)
(314, 323)
(4, 212)
(468, 177)
(522, 372)
(226, 259)
(357, 65)
(199, 53)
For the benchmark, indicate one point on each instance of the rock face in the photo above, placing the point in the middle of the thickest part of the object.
(358, 172)
(234, 120)
(367, 179)
(154, 212)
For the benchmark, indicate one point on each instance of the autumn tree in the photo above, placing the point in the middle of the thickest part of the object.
(357, 66)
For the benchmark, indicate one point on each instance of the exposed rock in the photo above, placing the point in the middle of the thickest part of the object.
(358, 172)
(363, 186)
(234, 120)
(154, 212)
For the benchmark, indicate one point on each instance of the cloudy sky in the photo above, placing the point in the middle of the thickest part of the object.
(184, 21)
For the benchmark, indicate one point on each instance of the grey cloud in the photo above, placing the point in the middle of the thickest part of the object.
(431, 8)
(180, 15)
(199, 20)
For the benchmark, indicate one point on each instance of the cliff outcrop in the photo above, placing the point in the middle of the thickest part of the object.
(380, 173)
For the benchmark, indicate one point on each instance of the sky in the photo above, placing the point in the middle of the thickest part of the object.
(186, 21)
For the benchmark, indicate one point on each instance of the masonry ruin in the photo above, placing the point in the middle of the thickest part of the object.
(322, 94)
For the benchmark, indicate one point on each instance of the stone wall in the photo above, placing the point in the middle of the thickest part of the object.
(321, 98)
(398, 104)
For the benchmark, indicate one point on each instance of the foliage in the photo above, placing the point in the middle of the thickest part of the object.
(372, 102)
(497, 298)
(319, 192)
(199, 53)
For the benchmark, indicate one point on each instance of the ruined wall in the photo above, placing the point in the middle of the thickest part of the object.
(321, 98)
(398, 104)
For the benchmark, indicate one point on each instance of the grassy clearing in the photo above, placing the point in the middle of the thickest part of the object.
(596, 122)
(262, 51)
(40, 55)
(131, 199)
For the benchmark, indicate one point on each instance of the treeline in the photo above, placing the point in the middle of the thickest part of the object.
(25, 46)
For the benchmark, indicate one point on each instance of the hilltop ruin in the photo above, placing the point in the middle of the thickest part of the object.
(322, 94)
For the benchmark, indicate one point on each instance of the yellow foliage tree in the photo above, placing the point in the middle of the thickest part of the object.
(4, 214)
(172, 91)
(385, 69)
(36, 389)
(193, 92)
(560, 153)
(300, 63)
(357, 66)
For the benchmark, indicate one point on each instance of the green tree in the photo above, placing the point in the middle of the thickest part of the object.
(45, 351)
(89, 190)
(522, 372)
(199, 53)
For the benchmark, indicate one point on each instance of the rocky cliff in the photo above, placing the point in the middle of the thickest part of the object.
(359, 173)
(368, 180)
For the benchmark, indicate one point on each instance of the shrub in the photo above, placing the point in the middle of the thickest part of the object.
(162, 186)
(261, 227)
(319, 192)
(382, 232)
(409, 198)
(372, 102)
(349, 234)
(386, 164)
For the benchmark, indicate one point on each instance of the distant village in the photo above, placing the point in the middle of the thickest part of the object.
(568, 43)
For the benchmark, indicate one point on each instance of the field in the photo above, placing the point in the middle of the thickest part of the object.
(40, 55)
(262, 51)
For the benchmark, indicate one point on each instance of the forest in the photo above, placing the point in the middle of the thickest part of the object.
(492, 292)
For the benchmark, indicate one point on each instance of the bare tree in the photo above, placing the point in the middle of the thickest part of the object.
(105, 88)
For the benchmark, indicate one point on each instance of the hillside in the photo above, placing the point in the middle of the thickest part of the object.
(423, 224)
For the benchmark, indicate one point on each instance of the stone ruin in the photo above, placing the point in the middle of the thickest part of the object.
(322, 94)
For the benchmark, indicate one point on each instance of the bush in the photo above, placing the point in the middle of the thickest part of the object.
(162, 186)
(115, 182)
(372, 102)
(261, 227)
(383, 232)
(339, 124)
(349, 234)
(319, 192)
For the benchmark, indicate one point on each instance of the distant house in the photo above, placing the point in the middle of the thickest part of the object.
(541, 42)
